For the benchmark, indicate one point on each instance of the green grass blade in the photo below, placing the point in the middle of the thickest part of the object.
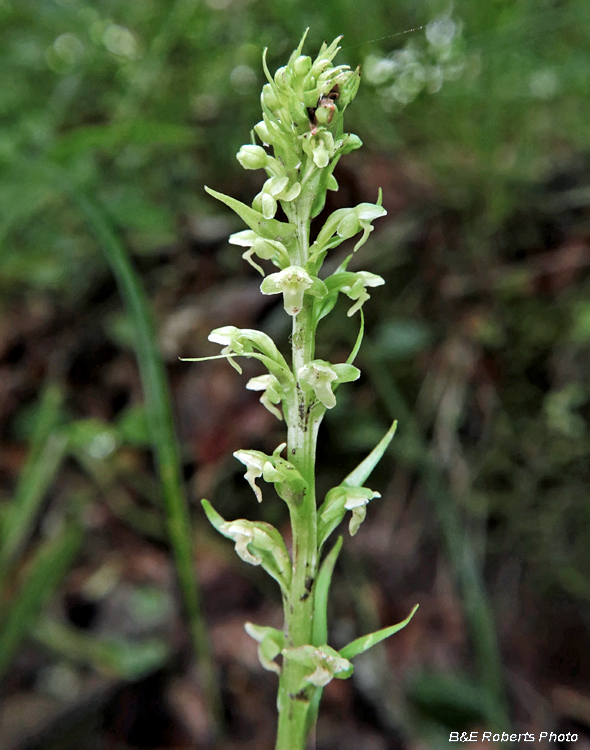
(466, 569)
(41, 578)
(163, 437)
(360, 645)
(126, 659)
(45, 455)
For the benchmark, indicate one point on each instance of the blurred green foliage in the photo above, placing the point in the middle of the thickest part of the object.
(138, 103)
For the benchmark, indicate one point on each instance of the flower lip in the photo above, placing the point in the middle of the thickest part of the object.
(293, 282)
(318, 376)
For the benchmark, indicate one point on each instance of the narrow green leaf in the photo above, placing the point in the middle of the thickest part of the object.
(41, 578)
(214, 518)
(162, 434)
(362, 472)
(46, 453)
(321, 591)
(360, 645)
(358, 342)
(270, 229)
(123, 658)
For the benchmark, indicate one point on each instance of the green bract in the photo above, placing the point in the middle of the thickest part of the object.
(301, 140)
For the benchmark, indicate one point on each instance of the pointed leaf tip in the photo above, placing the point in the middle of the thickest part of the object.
(360, 645)
(362, 472)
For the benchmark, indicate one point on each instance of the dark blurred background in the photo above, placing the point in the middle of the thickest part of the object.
(476, 127)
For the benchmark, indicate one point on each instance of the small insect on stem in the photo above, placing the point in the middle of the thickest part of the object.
(323, 112)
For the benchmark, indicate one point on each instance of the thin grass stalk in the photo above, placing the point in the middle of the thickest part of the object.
(39, 581)
(46, 452)
(164, 442)
(460, 552)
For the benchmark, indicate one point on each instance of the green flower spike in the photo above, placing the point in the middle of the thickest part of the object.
(302, 138)
(293, 283)
(318, 376)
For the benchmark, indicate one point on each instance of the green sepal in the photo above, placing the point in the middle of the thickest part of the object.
(271, 643)
(321, 590)
(360, 645)
(270, 229)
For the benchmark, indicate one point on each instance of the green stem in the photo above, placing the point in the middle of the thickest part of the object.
(295, 693)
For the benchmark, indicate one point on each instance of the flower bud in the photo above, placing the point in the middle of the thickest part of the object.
(269, 97)
(252, 157)
(263, 132)
(350, 143)
(282, 77)
(302, 66)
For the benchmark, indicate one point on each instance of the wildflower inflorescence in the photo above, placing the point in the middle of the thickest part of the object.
(301, 139)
